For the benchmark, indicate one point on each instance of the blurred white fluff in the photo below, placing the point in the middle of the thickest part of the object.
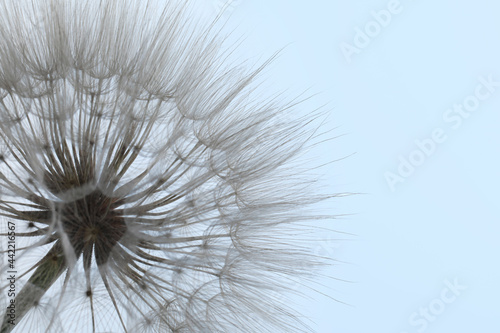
(150, 192)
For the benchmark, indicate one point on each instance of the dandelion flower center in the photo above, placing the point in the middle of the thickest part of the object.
(93, 223)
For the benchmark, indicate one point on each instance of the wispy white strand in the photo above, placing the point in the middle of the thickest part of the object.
(151, 189)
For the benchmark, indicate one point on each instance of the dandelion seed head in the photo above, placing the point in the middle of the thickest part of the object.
(149, 192)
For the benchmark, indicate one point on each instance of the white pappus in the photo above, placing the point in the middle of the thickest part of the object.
(147, 187)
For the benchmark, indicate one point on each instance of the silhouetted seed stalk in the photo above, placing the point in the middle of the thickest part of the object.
(149, 190)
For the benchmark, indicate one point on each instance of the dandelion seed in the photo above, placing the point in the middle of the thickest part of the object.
(147, 190)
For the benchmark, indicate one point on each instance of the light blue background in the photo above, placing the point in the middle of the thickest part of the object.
(442, 223)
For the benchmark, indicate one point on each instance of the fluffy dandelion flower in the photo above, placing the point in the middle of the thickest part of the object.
(142, 186)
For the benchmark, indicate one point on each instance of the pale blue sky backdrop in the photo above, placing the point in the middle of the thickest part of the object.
(426, 252)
